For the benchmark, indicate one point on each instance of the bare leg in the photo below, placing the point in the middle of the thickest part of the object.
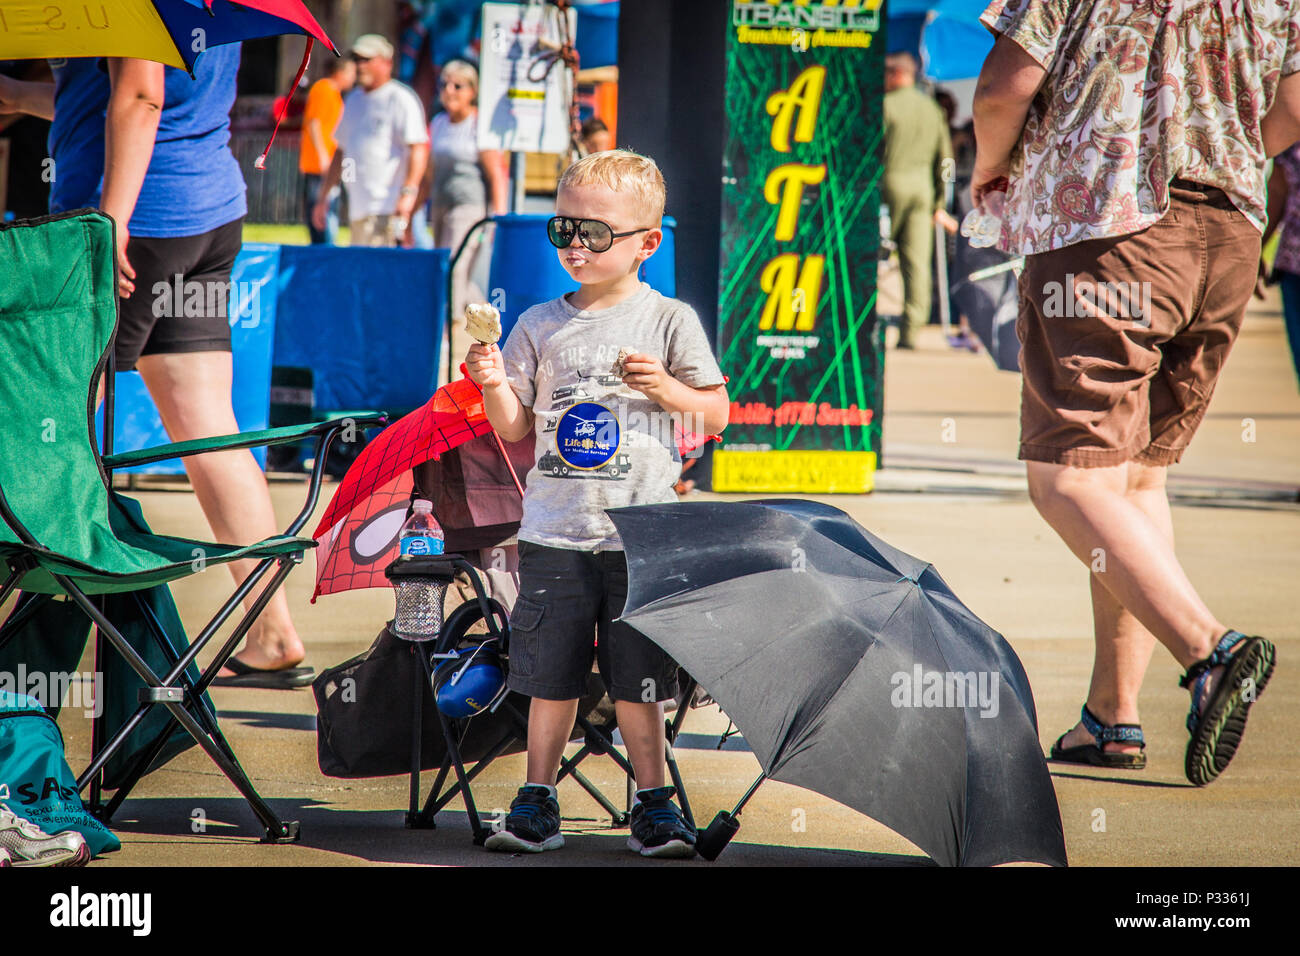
(192, 392)
(1091, 510)
(549, 724)
(1096, 508)
(642, 727)
(1123, 645)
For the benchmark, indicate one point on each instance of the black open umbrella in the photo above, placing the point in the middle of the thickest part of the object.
(851, 669)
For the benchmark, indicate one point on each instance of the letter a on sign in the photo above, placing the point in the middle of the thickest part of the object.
(804, 96)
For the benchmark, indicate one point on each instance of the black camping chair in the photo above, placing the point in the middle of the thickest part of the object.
(512, 724)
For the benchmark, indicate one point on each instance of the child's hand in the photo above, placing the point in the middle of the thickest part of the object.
(486, 367)
(646, 374)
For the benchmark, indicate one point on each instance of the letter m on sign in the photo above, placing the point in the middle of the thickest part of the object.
(792, 292)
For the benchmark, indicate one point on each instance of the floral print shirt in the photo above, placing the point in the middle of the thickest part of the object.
(1137, 94)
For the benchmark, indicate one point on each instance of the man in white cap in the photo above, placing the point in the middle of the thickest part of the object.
(383, 148)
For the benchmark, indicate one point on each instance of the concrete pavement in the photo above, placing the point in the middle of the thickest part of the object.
(951, 492)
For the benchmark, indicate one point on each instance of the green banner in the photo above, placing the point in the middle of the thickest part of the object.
(800, 242)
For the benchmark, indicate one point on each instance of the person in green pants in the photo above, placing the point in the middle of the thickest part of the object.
(918, 156)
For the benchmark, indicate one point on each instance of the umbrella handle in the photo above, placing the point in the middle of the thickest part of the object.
(753, 787)
(509, 464)
(715, 838)
(260, 162)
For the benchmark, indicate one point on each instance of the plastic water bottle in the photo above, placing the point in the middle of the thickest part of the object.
(983, 224)
(421, 534)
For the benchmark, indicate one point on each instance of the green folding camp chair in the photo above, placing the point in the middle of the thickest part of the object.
(62, 529)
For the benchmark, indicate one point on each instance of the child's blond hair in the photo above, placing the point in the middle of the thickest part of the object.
(624, 172)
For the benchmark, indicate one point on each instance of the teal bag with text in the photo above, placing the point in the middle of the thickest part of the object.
(36, 782)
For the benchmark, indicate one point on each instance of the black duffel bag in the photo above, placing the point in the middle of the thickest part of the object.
(365, 707)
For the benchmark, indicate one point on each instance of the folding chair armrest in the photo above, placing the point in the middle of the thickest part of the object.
(254, 439)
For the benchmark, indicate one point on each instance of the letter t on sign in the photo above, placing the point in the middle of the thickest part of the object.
(785, 185)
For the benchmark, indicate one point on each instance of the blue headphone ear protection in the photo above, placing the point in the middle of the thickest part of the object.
(471, 682)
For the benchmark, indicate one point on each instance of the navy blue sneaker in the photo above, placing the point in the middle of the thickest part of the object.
(658, 827)
(532, 826)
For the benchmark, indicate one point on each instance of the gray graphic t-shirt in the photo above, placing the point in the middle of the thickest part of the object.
(600, 444)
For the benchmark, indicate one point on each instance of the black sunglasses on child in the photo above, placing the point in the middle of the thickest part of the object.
(595, 235)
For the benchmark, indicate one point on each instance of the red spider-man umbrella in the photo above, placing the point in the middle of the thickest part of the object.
(361, 523)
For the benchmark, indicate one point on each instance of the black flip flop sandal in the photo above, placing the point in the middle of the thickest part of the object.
(1217, 728)
(246, 676)
(1094, 755)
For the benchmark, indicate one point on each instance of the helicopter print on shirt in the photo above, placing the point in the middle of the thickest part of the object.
(587, 441)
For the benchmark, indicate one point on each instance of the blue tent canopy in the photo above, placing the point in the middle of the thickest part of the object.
(952, 43)
(598, 35)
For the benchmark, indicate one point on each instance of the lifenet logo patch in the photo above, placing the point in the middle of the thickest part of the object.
(587, 436)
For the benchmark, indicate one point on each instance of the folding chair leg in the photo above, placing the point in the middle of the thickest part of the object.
(437, 800)
(275, 830)
(138, 769)
(102, 754)
(414, 819)
(607, 745)
(147, 756)
(688, 694)
(453, 752)
(569, 768)
(676, 777)
(463, 781)
(674, 728)
(618, 818)
(246, 622)
(428, 811)
(104, 812)
(10, 584)
(96, 741)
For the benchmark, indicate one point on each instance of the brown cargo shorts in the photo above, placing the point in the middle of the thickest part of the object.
(1122, 340)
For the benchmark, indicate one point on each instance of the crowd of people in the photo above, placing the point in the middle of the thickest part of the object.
(408, 183)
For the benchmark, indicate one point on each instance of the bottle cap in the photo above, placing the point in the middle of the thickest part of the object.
(423, 507)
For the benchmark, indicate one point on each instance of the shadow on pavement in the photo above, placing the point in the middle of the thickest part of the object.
(1122, 780)
(270, 720)
(378, 836)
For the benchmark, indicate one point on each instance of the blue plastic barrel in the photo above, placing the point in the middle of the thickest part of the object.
(526, 268)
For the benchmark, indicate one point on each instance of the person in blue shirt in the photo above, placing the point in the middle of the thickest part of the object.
(149, 145)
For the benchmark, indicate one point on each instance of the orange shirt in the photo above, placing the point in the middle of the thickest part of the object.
(326, 105)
